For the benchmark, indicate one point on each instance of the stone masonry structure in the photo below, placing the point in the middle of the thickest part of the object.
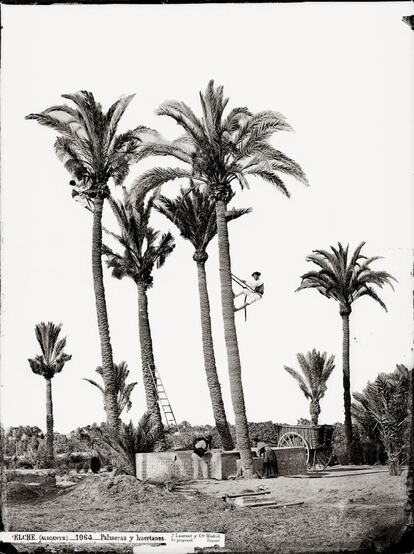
(163, 466)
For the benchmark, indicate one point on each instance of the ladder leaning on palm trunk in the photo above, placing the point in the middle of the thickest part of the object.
(163, 401)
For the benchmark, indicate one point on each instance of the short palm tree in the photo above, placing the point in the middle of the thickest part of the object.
(386, 402)
(47, 364)
(193, 213)
(345, 278)
(124, 445)
(221, 151)
(93, 152)
(123, 389)
(143, 249)
(316, 369)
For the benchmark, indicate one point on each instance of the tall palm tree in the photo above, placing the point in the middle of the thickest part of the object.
(93, 152)
(143, 249)
(47, 364)
(220, 151)
(316, 370)
(193, 212)
(345, 278)
(123, 389)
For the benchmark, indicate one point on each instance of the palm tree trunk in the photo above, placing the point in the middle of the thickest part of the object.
(230, 334)
(210, 362)
(346, 385)
(314, 410)
(110, 395)
(409, 505)
(147, 358)
(49, 424)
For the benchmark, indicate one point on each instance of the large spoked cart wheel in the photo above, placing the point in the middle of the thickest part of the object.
(320, 459)
(294, 439)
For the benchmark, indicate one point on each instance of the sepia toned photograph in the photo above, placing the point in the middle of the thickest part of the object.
(207, 239)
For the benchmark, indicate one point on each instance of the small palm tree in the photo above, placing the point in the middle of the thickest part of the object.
(221, 151)
(143, 249)
(316, 370)
(386, 402)
(47, 364)
(93, 152)
(127, 442)
(123, 389)
(193, 213)
(345, 278)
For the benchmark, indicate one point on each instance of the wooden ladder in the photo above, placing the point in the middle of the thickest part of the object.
(163, 401)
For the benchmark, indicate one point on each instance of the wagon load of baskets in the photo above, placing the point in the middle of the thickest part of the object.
(316, 439)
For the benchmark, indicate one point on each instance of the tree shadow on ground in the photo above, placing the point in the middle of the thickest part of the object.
(393, 539)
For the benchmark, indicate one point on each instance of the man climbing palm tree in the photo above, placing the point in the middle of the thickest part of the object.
(252, 291)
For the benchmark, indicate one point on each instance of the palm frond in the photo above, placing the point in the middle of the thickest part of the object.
(113, 116)
(302, 385)
(95, 384)
(271, 177)
(155, 177)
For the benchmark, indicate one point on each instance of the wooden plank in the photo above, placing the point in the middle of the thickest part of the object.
(246, 494)
(268, 505)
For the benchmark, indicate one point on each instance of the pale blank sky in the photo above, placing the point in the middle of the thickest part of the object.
(341, 73)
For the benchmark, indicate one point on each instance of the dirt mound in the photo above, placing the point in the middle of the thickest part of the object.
(19, 492)
(108, 489)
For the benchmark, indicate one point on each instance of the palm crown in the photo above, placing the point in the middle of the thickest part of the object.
(88, 143)
(316, 369)
(221, 149)
(345, 278)
(193, 213)
(123, 389)
(53, 357)
(144, 247)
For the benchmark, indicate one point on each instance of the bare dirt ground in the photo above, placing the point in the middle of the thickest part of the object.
(348, 509)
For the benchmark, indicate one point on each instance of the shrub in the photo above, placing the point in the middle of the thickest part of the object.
(126, 442)
(185, 439)
(266, 431)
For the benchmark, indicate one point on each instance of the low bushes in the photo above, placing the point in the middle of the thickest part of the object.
(363, 450)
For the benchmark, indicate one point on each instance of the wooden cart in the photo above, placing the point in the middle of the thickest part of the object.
(316, 439)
